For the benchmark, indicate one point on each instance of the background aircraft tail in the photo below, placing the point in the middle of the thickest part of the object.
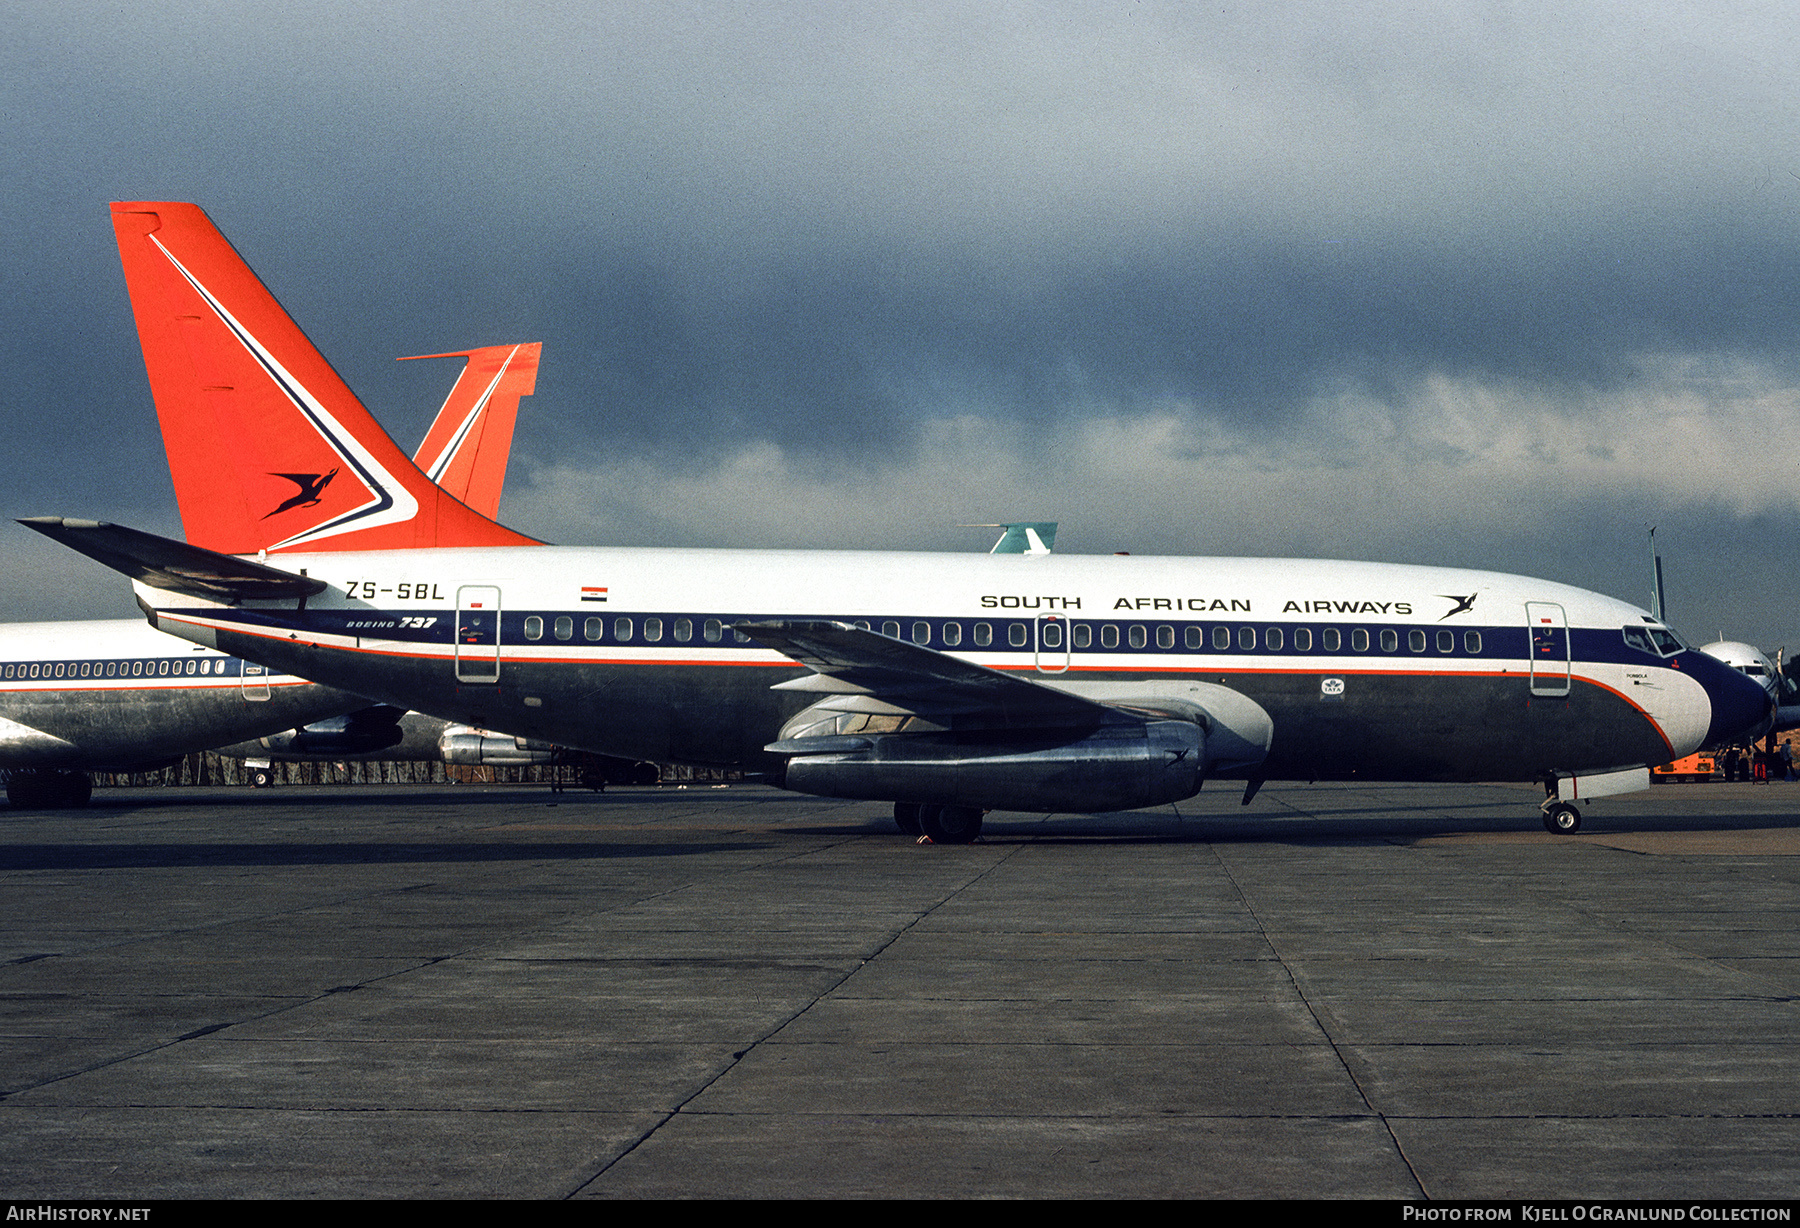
(466, 450)
(268, 447)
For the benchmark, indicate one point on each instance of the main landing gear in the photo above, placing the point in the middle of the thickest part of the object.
(944, 824)
(56, 789)
(1560, 818)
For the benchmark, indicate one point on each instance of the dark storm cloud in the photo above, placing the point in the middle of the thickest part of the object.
(1435, 276)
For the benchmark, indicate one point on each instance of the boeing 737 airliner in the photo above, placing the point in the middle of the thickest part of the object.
(948, 685)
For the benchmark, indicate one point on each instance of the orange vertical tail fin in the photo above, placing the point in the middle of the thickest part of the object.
(467, 447)
(268, 447)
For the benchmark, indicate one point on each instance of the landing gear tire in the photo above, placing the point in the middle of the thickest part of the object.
(1562, 819)
(950, 824)
(262, 778)
(906, 817)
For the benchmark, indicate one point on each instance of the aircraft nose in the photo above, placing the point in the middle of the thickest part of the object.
(1741, 708)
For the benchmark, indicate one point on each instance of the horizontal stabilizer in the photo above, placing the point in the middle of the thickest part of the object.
(172, 565)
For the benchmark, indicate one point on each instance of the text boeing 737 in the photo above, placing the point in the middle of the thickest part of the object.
(946, 684)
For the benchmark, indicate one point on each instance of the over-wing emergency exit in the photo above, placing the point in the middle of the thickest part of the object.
(947, 684)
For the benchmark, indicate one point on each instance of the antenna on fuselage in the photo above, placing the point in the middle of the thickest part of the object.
(1658, 603)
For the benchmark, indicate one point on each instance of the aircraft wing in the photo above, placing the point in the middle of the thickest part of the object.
(176, 566)
(849, 661)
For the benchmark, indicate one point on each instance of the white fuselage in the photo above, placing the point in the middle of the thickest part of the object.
(1374, 670)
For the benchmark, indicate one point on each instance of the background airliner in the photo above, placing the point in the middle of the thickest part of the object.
(79, 697)
(948, 685)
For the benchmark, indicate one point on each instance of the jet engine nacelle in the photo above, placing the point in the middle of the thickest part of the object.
(476, 748)
(357, 733)
(1113, 767)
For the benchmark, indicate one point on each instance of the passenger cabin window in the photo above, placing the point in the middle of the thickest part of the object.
(593, 628)
(1221, 638)
(1330, 640)
(1390, 640)
(565, 628)
(891, 629)
(1137, 636)
(984, 635)
(1082, 635)
(1272, 639)
(1165, 637)
(952, 634)
(1050, 635)
(653, 628)
(921, 633)
(714, 629)
(1247, 638)
(1446, 641)
(1109, 636)
(1359, 640)
(622, 630)
(1016, 634)
(1302, 639)
(1191, 637)
(1415, 640)
(1472, 643)
(684, 630)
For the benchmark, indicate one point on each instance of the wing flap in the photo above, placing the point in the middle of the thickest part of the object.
(911, 677)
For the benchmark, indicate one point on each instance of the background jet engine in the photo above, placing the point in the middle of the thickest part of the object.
(356, 733)
(471, 747)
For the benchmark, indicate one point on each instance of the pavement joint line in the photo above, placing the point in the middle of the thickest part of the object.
(214, 1029)
(301, 1002)
(1010, 851)
(1319, 1022)
(222, 923)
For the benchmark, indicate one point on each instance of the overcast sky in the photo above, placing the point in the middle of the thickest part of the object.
(1495, 285)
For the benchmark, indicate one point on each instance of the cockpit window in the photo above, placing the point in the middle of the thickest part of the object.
(1657, 641)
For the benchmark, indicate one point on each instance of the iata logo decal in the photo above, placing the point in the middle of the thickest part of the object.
(312, 487)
